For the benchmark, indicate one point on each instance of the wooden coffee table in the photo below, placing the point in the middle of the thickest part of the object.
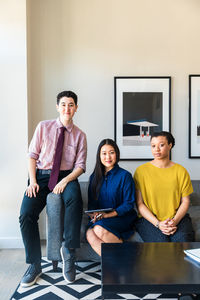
(149, 268)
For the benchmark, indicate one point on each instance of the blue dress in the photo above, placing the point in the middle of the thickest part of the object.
(117, 191)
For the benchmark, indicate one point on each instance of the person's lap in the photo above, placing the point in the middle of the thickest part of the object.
(34, 205)
(31, 208)
(116, 225)
(102, 234)
(185, 231)
(73, 214)
(149, 233)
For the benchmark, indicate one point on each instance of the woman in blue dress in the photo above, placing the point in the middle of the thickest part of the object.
(110, 187)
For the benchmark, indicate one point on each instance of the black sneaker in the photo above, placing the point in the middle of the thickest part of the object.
(31, 275)
(68, 259)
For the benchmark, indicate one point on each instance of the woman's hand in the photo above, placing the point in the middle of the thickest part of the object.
(96, 216)
(168, 226)
(110, 214)
(101, 215)
(32, 189)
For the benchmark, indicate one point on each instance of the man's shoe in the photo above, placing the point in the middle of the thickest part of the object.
(68, 259)
(31, 275)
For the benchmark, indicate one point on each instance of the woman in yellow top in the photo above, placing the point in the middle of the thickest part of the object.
(162, 195)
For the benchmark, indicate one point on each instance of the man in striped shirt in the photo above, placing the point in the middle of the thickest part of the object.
(73, 163)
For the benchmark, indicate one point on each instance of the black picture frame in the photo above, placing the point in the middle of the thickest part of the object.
(142, 104)
(194, 116)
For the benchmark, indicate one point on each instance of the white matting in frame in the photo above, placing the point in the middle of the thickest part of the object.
(142, 106)
(194, 116)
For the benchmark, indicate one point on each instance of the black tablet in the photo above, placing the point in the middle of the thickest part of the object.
(106, 210)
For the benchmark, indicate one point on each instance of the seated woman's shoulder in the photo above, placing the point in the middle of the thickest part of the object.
(181, 168)
(126, 176)
(124, 172)
(143, 166)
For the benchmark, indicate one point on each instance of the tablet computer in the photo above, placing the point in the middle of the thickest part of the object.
(106, 210)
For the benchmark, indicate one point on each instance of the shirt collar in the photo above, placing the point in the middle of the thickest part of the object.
(113, 170)
(68, 127)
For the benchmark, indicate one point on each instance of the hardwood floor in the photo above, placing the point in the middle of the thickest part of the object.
(12, 268)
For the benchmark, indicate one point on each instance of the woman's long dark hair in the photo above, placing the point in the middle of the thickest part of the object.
(99, 169)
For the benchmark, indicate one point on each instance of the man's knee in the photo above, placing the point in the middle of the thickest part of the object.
(72, 194)
(27, 218)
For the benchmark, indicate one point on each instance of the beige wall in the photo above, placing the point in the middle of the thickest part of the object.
(82, 45)
(13, 121)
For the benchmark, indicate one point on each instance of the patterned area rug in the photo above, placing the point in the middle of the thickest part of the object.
(52, 286)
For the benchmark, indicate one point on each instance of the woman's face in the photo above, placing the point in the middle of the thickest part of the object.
(160, 147)
(108, 157)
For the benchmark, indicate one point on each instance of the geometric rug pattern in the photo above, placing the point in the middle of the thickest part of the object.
(52, 286)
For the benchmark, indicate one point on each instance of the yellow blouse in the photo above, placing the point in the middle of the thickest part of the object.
(162, 188)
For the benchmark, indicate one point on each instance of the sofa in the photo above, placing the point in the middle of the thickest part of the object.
(55, 214)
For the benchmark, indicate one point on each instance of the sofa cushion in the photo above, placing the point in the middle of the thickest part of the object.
(194, 212)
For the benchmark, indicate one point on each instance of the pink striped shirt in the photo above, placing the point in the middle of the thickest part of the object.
(44, 141)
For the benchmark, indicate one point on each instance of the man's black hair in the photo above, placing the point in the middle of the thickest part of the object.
(68, 94)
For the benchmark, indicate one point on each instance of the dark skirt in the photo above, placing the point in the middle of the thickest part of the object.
(121, 226)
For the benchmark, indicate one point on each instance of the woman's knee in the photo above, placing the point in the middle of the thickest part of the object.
(185, 231)
(100, 232)
(149, 233)
(90, 236)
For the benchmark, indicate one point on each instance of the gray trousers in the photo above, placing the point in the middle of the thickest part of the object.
(60, 218)
(55, 226)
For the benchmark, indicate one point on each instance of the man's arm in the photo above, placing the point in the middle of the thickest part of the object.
(60, 186)
(33, 187)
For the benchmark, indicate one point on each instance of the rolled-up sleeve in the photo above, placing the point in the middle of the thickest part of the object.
(35, 144)
(128, 194)
(81, 154)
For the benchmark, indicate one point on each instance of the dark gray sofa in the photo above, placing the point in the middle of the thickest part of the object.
(55, 225)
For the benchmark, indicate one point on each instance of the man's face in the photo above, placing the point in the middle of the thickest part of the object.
(66, 108)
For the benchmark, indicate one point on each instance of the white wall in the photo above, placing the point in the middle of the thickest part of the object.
(13, 121)
(82, 45)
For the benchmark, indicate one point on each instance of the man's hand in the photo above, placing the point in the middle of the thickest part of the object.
(32, 189)
(60, 186)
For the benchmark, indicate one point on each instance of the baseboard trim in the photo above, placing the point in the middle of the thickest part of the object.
(14, 243)
(11, 242)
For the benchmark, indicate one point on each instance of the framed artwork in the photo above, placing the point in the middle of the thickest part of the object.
(142, 106)
(194, 116)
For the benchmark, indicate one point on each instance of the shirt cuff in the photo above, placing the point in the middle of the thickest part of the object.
(33, 155)
(82, 166)
(119, 211)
